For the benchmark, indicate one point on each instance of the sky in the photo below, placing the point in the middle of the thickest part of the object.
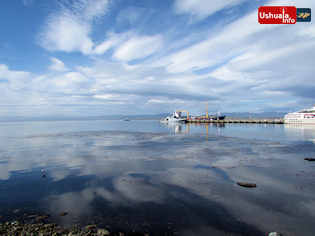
(106, 57)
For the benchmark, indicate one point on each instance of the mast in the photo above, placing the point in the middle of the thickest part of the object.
(207, 115)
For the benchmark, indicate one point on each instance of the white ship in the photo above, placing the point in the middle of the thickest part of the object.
(175, 117)
(306, 116)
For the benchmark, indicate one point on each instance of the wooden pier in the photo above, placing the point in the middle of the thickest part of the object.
(239, 121)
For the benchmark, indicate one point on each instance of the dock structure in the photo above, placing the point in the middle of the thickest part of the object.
(240, 121)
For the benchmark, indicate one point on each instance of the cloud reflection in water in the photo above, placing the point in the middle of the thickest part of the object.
(189, 177)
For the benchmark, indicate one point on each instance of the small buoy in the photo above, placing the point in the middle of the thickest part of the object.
(43, 173)
(247, 185)
(309, 159)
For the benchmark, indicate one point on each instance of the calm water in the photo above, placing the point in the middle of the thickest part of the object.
(143, 175)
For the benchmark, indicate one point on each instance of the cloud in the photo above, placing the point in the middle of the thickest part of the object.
(138, 47)
(57, 65)
(112, 40)
(69, 28)
(6, 73)
(94, 9)
(27, 2)
(15, 80)
(70, 82)
(232, 40)
(164, 101)
(234, 63)
(105, 96)
(131, 15)
(129, 45)
(201, 8)
(104, 46)
(66, 33)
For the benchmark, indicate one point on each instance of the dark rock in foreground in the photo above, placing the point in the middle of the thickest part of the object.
(247, 185)
(41, 229)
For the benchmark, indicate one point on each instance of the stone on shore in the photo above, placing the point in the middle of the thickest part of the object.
(247, 185)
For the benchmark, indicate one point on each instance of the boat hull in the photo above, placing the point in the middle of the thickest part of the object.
(299, 118)
(173, 121)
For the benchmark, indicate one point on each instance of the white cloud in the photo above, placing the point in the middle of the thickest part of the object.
(57, 65)
(27, 2)
(164, 101)
(138, 47)
(242, 61)
(66, 33)
(202, 8)
(94, 8)
(69, 29)
(225, 44)
(112, 40)
(71, 80)
(103, 47)
(6, 73)
(106, 96)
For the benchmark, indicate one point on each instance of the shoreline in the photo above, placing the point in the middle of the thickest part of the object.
(42, 228)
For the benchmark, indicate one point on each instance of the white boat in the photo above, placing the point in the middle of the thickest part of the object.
(175, 117)
(305, 116)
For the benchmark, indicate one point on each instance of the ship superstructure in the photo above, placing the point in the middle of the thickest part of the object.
(305, 116)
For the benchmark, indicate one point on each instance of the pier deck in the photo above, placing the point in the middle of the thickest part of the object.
(245, 121)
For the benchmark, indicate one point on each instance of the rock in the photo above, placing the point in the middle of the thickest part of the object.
(274, 234)
(102, 232)
(247, 185)
(309, 159)
(90, 227)
(63, 213)
(15, 223)
(40, 218)
(72, 234)
(49, 225)
(16, 211)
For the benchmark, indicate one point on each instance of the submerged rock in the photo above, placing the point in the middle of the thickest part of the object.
(63, 213)
(274, 234)
(43, 217)
(102, 232)
(90, 227)
(16, 211)
(247, 185)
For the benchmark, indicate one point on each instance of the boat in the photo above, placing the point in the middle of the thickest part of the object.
(126, 119)
(305, 116)
(218, 117)
(175, 117)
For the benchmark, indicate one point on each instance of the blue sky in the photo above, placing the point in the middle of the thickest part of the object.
(103, 57)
